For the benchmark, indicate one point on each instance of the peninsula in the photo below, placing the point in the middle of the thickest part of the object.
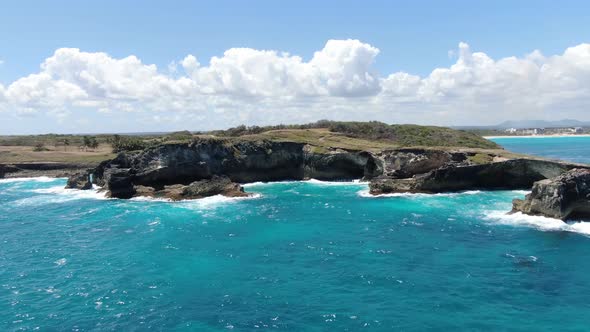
(393, 158)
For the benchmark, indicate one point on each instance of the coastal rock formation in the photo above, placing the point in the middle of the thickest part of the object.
(509, 174)
(562, 197)
(217, 185)
(132, 174)
(119, 182)
(405, 163)
(80, 181)
(214, 166)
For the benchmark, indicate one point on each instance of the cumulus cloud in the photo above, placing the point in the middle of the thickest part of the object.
(339, 81)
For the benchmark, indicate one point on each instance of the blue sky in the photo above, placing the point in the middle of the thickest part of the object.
(412, 37)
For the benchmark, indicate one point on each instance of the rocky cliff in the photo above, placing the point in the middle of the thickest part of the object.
(152, 170)
(177, 170)
(564, 196)
(509, 174)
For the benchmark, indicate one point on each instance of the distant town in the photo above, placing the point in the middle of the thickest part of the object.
(557, 131)
(546, 131)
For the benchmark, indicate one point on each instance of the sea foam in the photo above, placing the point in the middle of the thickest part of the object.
(310, 181)
(35, 179)
(197, 202)
(537, 222)
(365, 193)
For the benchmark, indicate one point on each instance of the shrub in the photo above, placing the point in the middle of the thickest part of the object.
(40, 147)
(127, 143)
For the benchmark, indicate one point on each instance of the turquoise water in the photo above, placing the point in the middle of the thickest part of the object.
(299, 256)
(572, 148)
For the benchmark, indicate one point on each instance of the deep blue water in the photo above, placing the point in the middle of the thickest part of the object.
(572, 148)
(300, 256)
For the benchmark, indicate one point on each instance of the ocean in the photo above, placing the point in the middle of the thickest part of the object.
(571, 148)
(298, 256)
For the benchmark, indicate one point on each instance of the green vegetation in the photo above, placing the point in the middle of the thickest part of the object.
(253, 130)
(127, 143)
(412, 135)
(40, 147)
(384, 134)
(90, 142)
(321, 136)
(481, 158)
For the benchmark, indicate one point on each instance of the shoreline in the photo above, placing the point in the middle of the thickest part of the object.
(535, 136)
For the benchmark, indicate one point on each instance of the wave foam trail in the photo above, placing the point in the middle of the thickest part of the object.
(538, 222)
(35, 179)
(365, 193)
(310, 181)
(199, 202)
(335, 183)
(61, 194)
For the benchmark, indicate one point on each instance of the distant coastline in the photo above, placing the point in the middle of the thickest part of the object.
(534, 136)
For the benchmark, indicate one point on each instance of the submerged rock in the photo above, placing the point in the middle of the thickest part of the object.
(217, 185)
(563, 197)
(80, 181)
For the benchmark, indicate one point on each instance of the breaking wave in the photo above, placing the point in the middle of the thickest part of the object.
(537, 222)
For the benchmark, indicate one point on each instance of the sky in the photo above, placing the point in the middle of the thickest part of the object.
(133, 66)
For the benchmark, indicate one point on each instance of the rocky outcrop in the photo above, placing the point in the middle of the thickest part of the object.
(510, 174)
(217, 185)
(405, 163)
(562, 197)
(341, 165)
(213, 166)
(80, 181)
(167, 165)
(119, 182)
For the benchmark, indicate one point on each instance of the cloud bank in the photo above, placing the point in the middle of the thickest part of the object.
(77, 89)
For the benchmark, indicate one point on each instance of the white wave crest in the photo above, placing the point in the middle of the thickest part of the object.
(521, 192)
(335, 183)
(366, 193)
(35, 179)
(206, 201)
(310, 181)
(537, 222)
(58, 195)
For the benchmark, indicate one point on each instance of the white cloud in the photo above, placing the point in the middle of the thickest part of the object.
(339, 81)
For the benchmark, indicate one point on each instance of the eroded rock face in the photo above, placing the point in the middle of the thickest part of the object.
(562, 197)
(119, 182)
(405, 163)
(167, 169)
(80, 181)
(341, 166)
(510, 174)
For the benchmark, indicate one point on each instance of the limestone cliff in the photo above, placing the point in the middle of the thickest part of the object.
(562, 197)
(241, 161)
(214, 166)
